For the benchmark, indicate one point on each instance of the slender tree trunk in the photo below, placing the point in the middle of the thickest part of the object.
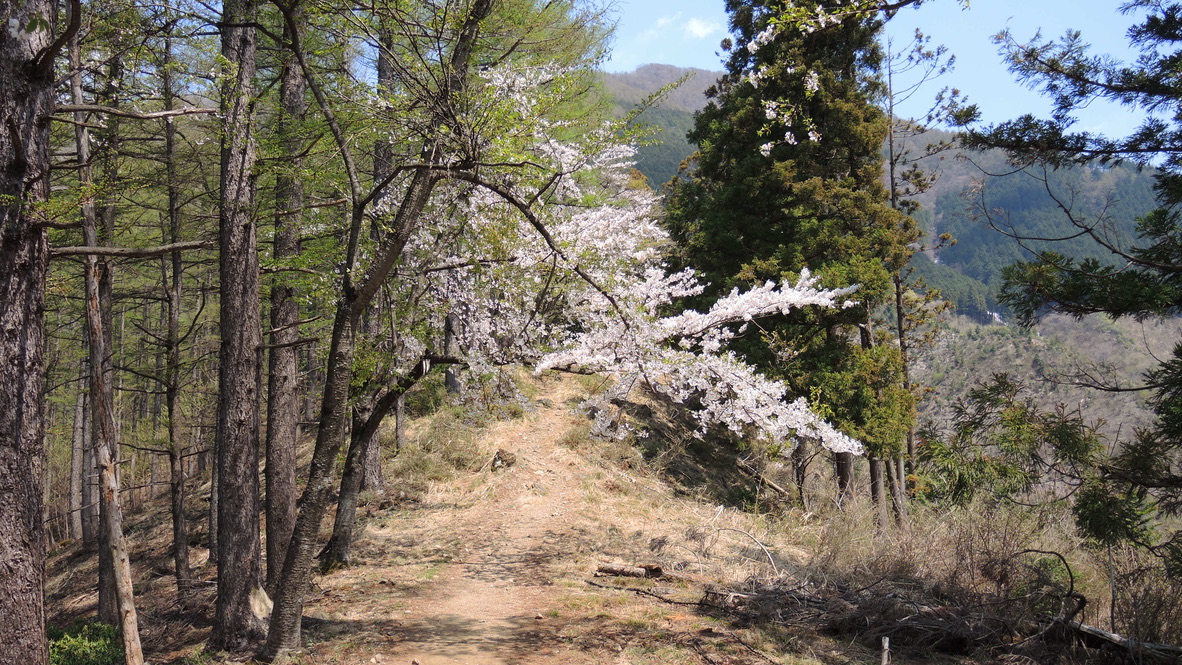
(77, 444)
(878, 491)
(90, 516)
(399, 423)
(895, 471)
(283, 396)
(800, 469)
(372, 479)
(214, 504)
(284, 633)
(114, 563)
(172, 274)
(236, 625)
(337, 552)
(905, 351)
(26, 100)
(103, 373)
(451, 382)
(843, 467)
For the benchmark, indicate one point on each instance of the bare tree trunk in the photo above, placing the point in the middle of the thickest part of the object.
(451, 382)
(26, 100)
(283, 396)
(896, 468)
(843, 467)
(172, 273)
(372, 479)
(878, 492)
(284, 633)
(114, 563)
(214, 503)
(338, 552)
(800, 469)
(90, 516)
(905, 351)
(236, 625)
(399, 423)
(77, 443)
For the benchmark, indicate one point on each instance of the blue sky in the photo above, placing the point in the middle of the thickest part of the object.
(687, 33)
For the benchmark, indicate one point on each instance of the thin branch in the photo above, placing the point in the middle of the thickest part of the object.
(125, 113)
(131, 252)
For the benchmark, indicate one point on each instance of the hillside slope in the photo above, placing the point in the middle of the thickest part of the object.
(462, 562)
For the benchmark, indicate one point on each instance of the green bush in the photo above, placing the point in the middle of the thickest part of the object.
(86, 644)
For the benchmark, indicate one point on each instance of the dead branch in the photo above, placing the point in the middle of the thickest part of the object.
(126, 113)
(131, 252)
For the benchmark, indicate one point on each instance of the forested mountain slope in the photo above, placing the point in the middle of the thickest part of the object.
(975, 196)
(659, 157)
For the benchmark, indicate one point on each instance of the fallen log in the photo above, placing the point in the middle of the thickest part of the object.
(749, 470)
(1164, 653)
(646, 570)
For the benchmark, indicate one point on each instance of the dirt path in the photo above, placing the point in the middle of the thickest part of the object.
(486, 593)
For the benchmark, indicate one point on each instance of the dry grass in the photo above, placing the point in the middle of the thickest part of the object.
(753, 577)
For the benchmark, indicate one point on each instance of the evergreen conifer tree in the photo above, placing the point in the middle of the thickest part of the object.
(788, 175)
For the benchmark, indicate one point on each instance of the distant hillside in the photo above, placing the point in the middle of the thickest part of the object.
(631, 88)
(976, 191)
(664, 150)
(969, 273)
(1048, 359)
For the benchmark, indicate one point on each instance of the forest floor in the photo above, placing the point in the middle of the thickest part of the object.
(498, 566)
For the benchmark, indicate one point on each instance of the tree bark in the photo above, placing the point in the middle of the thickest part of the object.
(878, 492)
(101, 219)
(90, 517)
(283, 396)
(896, 468)
(26, 99)
(236, 625)
(399, 423)
(800, 472)
(77, 444)
(843, 466)
(337, 552)
(451, 381)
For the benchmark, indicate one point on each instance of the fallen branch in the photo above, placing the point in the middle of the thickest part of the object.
(1161, 652)
(747, 469)
(651, 594)
(647, 570)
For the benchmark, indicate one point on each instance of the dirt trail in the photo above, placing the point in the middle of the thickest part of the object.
(485, 595)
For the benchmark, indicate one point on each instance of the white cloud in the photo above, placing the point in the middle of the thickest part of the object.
(666, 20)
(701, 29)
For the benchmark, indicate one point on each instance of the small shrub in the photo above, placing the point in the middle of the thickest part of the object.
(86, 644)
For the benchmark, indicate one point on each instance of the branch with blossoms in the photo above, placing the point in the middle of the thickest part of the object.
(683, 357)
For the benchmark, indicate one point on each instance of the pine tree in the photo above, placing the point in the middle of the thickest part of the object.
(789, 176)
(1141, 279)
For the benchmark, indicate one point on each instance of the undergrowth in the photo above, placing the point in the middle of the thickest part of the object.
(86, 644)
